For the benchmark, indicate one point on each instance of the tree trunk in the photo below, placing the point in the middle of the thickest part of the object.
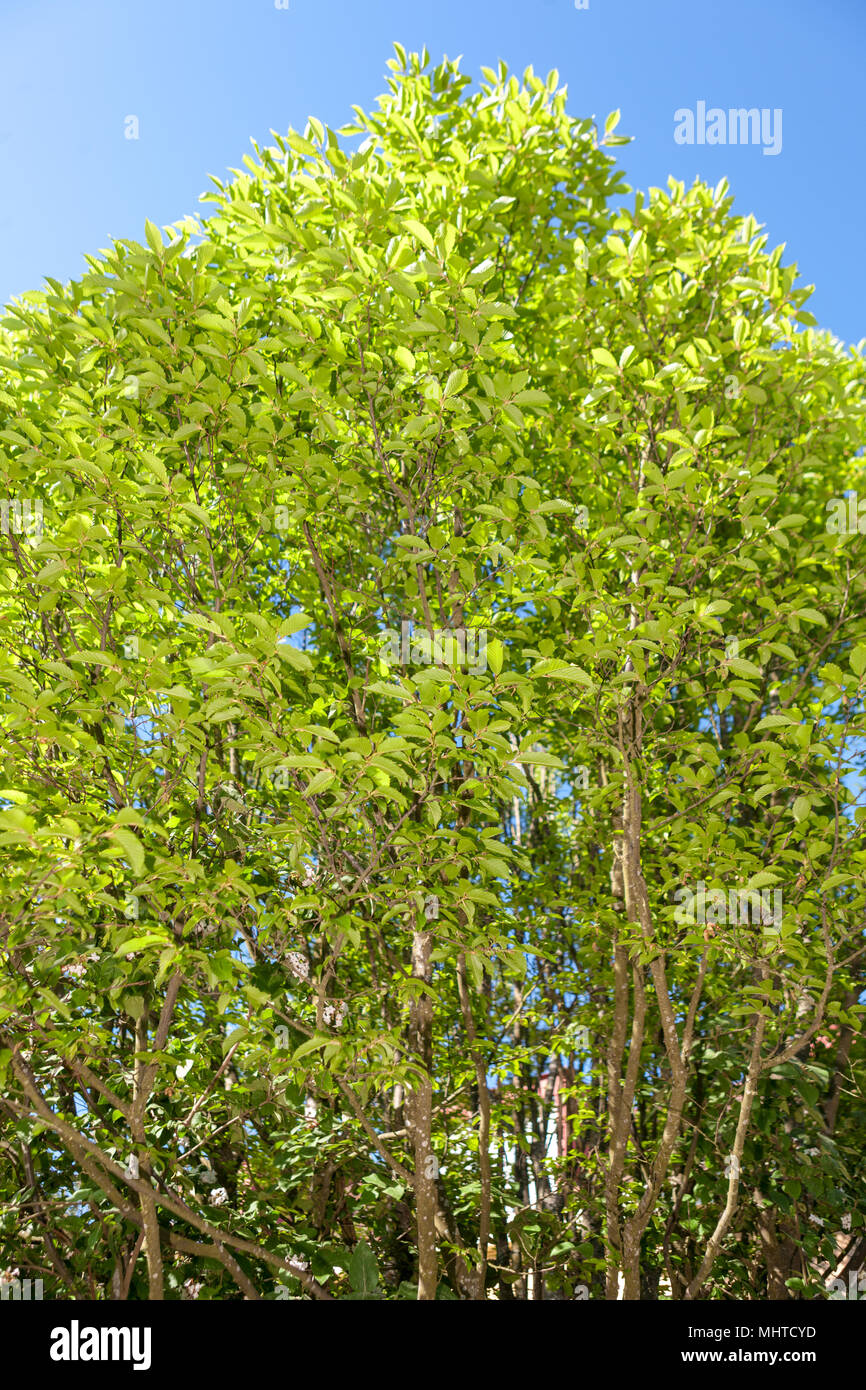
(421, 1111)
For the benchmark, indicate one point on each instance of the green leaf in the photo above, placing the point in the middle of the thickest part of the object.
(857, 659)
(311, 1045)
(537, 757)
(321, 780)
(363, 1274)
(293, 657)
(740, 667)
(495, 655)
(132, 848)
(154, 237)
(296, 623)
(756, 394)
(605, 358)
(568, 673)
(418, 230)
(139, 943)
(476, 969)
(301, 146)
(773, 721)
(49, 571)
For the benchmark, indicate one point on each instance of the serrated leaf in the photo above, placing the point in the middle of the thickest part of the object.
(296, 623)
(568, 673)
(741, 667)
(293, 657)
(455, 383)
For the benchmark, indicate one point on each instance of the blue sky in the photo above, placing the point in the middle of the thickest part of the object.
(203, 76)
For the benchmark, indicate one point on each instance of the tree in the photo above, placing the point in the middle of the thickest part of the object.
(424, 644)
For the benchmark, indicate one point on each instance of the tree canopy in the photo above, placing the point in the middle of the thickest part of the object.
(432, 699)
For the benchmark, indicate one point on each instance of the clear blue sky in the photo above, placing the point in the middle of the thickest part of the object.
(203, 76)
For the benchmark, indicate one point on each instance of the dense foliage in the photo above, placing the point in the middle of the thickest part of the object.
(339, 961)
